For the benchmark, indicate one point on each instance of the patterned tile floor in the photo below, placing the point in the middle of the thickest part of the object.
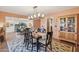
(16, 43)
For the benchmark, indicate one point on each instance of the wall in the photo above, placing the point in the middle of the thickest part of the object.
(37, 23)
(65, 12)
(62, 13)
(3, 14)
(44, 23)
(55, 18)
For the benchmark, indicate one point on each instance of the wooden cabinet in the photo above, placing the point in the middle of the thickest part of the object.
(69, 30)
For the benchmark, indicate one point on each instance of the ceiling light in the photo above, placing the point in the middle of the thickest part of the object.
(36, 15)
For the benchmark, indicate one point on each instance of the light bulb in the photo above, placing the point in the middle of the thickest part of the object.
(34, 16)
(38, 14)
(43, 15)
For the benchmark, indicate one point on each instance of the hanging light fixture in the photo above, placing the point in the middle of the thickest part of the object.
(36, 14)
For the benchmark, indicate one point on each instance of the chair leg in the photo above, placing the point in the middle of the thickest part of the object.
(51, 46)
(32, 45)
(37, 45)
(27, 45)
(46, 44)
(32, 48)
(45, 48)
(51, 43)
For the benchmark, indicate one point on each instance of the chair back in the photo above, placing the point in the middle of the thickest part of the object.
(27, 33)
(49, 38)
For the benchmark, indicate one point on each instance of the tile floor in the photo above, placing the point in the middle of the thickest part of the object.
(15, 43)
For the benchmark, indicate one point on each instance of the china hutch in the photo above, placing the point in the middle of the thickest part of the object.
(68, 40)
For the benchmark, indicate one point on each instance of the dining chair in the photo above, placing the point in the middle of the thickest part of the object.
(35, 43)
(47, 42)
(1, 39)
(26, 37)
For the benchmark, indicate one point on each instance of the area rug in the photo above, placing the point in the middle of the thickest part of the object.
(17, 45)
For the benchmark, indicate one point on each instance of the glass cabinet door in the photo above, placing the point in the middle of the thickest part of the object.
(71, 24)
(62, 24)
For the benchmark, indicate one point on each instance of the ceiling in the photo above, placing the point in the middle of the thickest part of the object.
(28, 10)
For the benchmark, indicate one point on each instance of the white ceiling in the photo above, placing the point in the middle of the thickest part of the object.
(28, 10)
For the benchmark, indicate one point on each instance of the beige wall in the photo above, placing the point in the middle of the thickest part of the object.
(56, 19)
(3, 14)
(65, 12)
(44, 23)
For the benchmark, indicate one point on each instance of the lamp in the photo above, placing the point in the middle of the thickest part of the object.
(36, 14)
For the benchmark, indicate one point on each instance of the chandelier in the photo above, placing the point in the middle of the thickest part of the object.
(36, 14)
